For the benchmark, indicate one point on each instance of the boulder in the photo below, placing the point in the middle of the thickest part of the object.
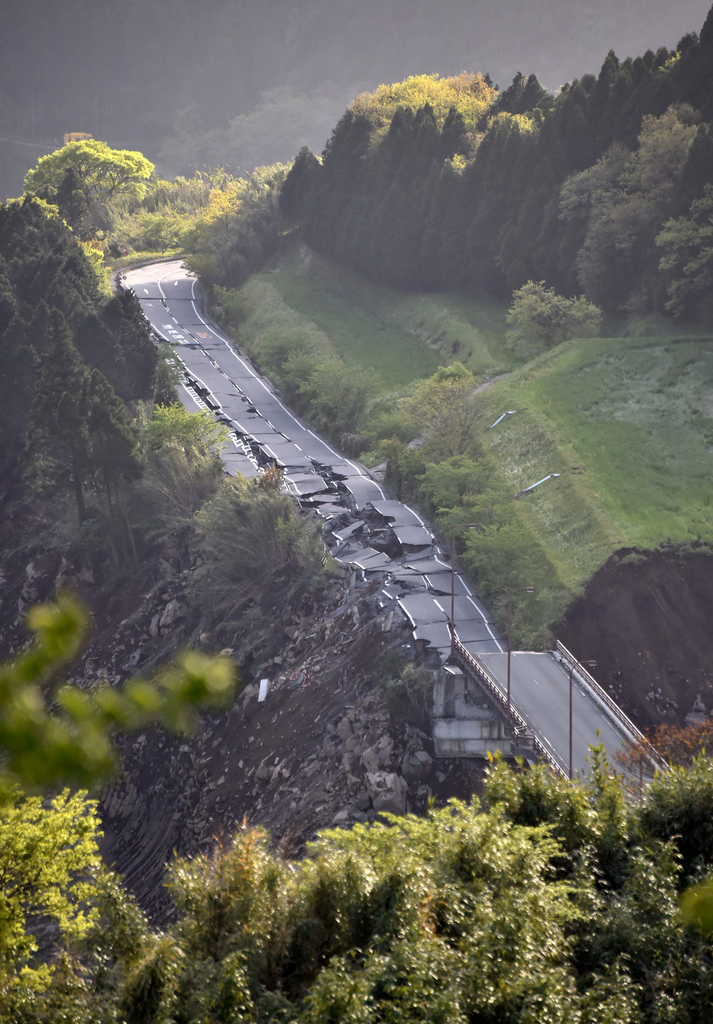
(173, 611)
(387, 792)
(370, 759)
(133, 659)
(362, 802)
(384, 749)
(416, 765)
(344, 730)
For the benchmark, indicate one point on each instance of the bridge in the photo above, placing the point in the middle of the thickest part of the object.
(374, 535)
(556, 707)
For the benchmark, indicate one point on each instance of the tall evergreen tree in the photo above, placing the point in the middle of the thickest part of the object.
(57, 445)
(298, 183)
(165, 393)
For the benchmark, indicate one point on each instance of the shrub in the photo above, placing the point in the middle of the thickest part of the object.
(253, 541)
(540, 318)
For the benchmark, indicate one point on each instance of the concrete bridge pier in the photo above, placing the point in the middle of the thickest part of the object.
(464, 722)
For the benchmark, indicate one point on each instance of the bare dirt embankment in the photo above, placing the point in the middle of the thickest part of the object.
(322, 749)
(647, 618)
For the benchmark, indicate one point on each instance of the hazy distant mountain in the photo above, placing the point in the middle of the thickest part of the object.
(125, 71)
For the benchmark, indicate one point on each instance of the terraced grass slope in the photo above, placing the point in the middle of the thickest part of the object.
(628, 425)
(403, 336)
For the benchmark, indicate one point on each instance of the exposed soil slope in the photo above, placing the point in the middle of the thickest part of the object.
(296, 762)
(647, 619)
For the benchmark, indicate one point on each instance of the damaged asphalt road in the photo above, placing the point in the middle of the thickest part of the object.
(365, 528)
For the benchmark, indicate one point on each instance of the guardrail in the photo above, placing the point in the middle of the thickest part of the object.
(525, 734)
(588, 679)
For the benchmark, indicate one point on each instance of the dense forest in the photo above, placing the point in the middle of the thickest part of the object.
(54, 309)
(604, 188)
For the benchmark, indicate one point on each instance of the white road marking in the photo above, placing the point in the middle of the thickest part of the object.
(486, 623)
(414, 513)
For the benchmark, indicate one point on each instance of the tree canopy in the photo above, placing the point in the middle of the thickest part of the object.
(539, 318)
(445, 184)
(83, 177)
(52, 311)
(549, 902)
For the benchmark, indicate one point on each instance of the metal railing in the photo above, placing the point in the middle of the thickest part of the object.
(523, 732)
(589, 681)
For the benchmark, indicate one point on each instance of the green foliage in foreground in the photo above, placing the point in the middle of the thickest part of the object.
(52, 731)
(48, 863)
(555, 903)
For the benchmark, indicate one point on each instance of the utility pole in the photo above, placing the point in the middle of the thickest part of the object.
(571, 673)
(453, 592)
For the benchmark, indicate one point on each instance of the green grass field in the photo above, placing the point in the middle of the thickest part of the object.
(628, 423)
(402, 336)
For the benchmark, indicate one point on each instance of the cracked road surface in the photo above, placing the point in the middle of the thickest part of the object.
(365, 528)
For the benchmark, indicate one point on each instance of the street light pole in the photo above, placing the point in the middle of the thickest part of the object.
(453, 592)
(592, 664)
(571, 673)
(509, 651)
(510, 591)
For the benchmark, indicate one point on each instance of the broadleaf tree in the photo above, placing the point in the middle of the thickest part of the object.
(85, 176)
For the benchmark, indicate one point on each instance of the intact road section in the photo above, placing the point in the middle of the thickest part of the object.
(365, 528)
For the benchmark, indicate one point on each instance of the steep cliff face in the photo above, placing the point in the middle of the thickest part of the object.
(646, 617)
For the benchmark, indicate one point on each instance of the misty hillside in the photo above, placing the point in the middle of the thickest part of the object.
(248, 83)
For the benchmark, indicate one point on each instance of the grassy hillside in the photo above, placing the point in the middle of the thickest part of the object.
(402, 336)
(628, 423)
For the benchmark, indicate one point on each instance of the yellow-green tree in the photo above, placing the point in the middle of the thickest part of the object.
(84, 177)
(540, 318)
(52, 732)
(49, 860)
(442, 410)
